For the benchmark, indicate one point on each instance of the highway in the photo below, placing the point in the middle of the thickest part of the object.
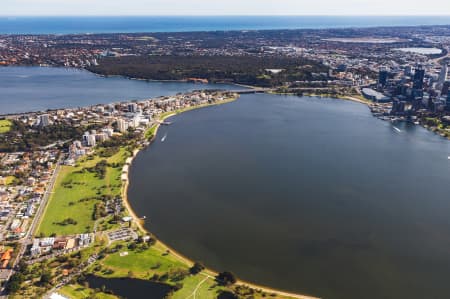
(438, 60)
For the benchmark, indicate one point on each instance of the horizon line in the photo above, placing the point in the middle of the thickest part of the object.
(228, 15)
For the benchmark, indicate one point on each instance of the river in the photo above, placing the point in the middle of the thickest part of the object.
(303, 194)
(25, 89)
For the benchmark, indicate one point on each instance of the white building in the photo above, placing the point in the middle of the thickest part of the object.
(91, 140)
(122, 125)
(109, 131)
(442, 76)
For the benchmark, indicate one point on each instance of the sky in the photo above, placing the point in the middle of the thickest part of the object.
(223, 7)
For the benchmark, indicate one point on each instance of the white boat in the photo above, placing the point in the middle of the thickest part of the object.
(164, 138)
(397, 129)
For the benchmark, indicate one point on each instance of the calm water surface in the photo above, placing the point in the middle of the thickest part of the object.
(97, 24)
(24, 89)
(130, 288)
(303, 194)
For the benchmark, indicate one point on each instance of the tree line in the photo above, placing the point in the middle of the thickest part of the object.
(250, 70)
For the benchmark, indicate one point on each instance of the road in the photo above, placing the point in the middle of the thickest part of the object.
(437, 60)
(44, 201)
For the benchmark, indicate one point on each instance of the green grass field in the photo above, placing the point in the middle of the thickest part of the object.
(204, 287)
(142, 263)
(71, 188)
(5, 126)
(76, 291)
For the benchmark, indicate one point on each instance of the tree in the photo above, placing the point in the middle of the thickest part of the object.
(227, 295)
(197, 268)
(226, 278)
(46, 277)
(22, 267)
(15, 282)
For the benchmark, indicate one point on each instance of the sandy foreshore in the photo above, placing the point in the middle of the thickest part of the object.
(186, 260)
(347, 98)
(350, 98)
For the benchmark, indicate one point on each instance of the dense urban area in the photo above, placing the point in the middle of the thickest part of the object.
(64, 172)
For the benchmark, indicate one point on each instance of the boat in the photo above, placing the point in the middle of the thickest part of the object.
(164, 138)
(397, 129)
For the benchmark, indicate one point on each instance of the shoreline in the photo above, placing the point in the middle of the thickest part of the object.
(139, 223)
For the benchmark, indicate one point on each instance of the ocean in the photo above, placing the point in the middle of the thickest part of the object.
(73, 25)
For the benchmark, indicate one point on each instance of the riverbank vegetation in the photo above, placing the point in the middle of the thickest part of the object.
(437, 125)
(250, 70)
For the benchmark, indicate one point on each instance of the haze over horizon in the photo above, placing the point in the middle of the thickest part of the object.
(230, 7)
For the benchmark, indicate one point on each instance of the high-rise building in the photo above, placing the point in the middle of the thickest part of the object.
(109, 132)
(101, 137)
(419, 75)
(132, 107)
(408, 70)
(382, 77)
(44, 120)
(447, 102)
(85, 137)
(445, 88)
(91, 140)
(443, 75)
(122, 125)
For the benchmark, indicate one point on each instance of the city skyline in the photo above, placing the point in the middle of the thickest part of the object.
(232, 7)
